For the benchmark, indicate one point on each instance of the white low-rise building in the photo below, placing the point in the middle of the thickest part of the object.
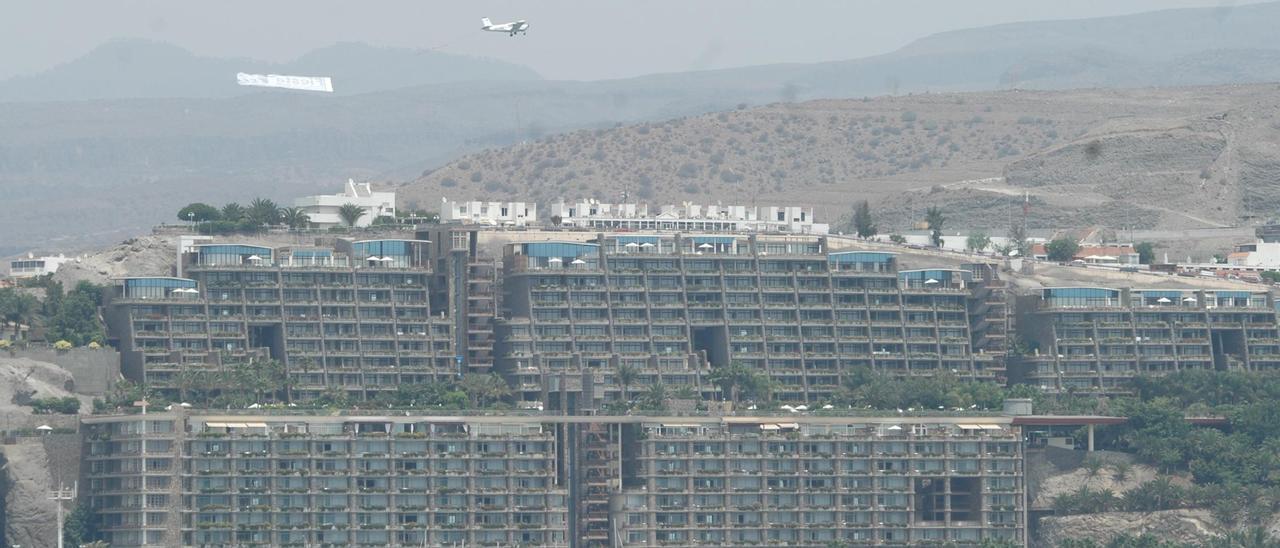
(322, 209)
(688, 216)
(488, 213)
(1257, 254)
(33, 266)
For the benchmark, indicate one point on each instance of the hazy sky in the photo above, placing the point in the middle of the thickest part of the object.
(568, 39)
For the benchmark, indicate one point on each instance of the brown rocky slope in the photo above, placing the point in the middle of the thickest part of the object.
(1166, 158)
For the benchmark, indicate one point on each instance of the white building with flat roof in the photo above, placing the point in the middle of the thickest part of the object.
(33, 266)
(488, 213)
(323, 209)
(1257, 254)
(688, 216)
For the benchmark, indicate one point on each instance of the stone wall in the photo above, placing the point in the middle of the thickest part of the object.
(94, 371)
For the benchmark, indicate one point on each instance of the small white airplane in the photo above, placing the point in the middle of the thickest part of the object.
(511, 29)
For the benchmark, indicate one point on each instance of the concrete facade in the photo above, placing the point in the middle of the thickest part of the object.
(1098, 339)
(671, 307)
(307, 480)
(358, 317)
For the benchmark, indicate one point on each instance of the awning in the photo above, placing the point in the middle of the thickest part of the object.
(236, 425)
(969, 426)
(769, 427)
(679, 426)
(992, 427)
(215, 425)
(256, 425)
(789, 425)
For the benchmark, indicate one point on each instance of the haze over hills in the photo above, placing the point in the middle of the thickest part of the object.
(63, 160)
(137, 69)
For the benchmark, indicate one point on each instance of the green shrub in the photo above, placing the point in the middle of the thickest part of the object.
(62, 406)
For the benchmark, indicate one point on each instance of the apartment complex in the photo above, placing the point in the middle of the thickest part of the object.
(560, 313)
(358, 316)
(672, 306)
(747, 481)
(204, 479)
(1097, 339)
(558, 318)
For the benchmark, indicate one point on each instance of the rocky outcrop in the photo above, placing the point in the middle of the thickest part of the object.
(1178, 526)
(1057, 482)
(34, 464)
(144, 256)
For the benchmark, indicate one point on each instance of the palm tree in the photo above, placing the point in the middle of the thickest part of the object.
(16, 307)
(187, 379)
(351, 213)
(484, 390)
(934, 218)
(233, 212)
(626, 375)
(295, 217)
(655, 398)
(737, 380)
(1254, 537)
(264, 211)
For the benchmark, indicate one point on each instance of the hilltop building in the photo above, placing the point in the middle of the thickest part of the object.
(489, 213)
(1259, 254)
(688, 217)
(323, 209)
(32, 266)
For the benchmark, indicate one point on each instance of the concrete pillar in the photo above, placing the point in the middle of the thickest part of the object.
(1090, 427)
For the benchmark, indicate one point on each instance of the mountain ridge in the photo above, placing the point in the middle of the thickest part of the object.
(144, 69)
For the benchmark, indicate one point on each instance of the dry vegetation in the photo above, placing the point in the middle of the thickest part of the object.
(1093, 156)
(744, 154)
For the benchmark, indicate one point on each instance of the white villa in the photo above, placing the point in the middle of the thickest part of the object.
(323, 209)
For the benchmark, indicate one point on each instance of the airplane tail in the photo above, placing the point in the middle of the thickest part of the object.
(486, 22)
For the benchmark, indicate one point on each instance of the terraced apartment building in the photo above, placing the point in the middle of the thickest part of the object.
(324, 481)
(558, 318)
(672, 306)
(814, 482)
(358, 316)
(184, 478)
(1098, 339)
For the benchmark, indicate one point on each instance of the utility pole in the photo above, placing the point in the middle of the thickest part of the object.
(57, 496)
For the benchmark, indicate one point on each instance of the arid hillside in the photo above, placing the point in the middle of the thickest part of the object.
(1155, 158)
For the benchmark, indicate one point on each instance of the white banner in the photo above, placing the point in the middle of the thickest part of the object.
(304, 83)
